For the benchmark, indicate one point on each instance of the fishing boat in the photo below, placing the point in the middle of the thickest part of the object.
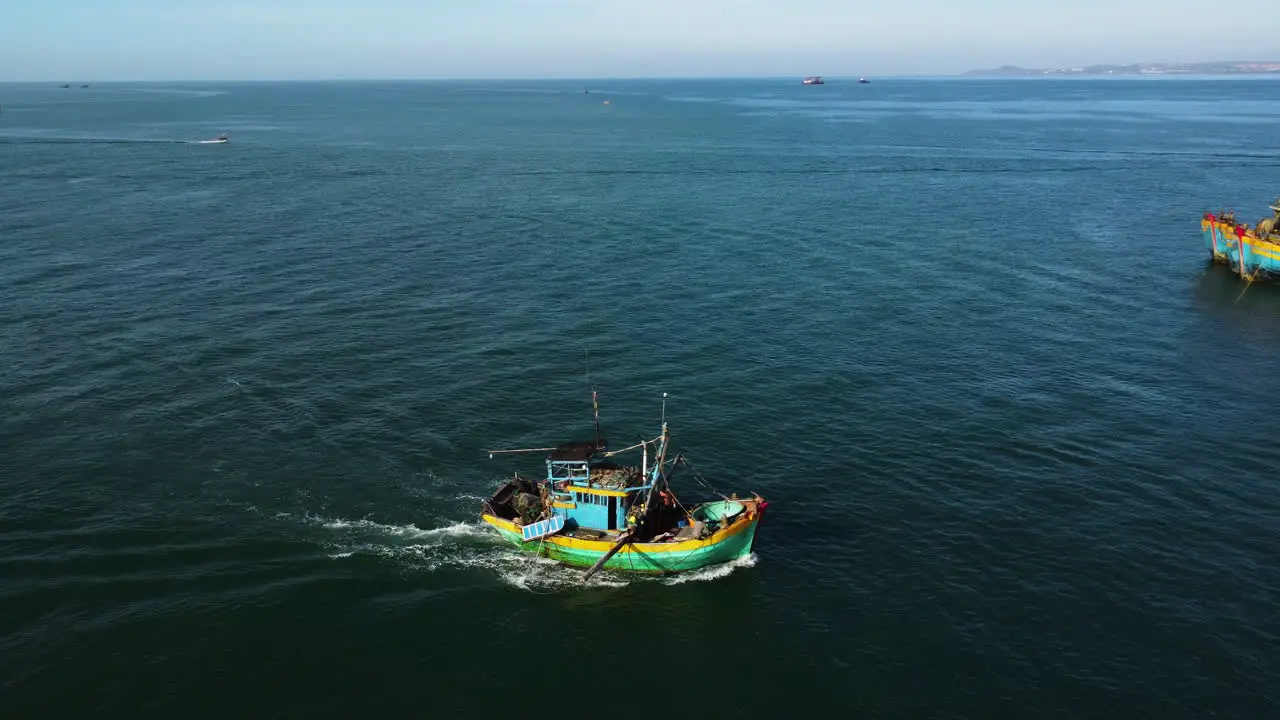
(813, 80)
(592, 510)
(1252, 252)
(863, 80)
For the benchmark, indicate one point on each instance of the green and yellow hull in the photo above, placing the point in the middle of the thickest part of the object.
(726, 544)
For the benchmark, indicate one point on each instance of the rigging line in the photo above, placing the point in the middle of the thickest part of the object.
(625, 449)
(688, 515)
(1249, 282)
(698, 476)
(673, 568)
(704, 544)
(534, 573)
(537, 554)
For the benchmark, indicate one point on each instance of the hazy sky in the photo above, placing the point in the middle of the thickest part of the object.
(266, 39)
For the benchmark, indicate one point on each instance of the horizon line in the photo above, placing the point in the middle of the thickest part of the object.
(963, 75)
(495, 78)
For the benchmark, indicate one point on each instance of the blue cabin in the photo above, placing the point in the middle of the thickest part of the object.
(591, 492)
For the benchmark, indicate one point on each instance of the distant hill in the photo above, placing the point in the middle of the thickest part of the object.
(1251, 67)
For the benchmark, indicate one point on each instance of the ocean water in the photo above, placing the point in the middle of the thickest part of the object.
(1018, 437)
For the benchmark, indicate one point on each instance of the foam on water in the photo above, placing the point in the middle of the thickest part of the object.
(472, 545)
(461, 529)
(714, 572)
(462, 545)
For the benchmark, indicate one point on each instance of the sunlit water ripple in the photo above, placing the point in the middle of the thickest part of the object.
(1015, 433)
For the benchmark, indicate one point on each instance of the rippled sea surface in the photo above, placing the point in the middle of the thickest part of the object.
(1019, 440)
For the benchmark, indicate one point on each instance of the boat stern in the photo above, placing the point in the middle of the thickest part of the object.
(1214, 241)
(1252, 253)
(507, 529)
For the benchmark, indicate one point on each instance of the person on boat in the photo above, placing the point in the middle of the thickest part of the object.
(666, 498)
(637, 512)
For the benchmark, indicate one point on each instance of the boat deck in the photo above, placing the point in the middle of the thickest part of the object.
(617, 477)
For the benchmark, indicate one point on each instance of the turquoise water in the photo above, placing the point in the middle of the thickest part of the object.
(1016, 434)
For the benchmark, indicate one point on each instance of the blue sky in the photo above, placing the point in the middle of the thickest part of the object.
(99, 40)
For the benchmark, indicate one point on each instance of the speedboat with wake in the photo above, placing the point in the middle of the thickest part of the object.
(216, 141)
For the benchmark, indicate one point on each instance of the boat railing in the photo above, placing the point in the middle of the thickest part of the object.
(567, 470)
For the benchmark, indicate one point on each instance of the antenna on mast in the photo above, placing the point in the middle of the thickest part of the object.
(596, 407)
(595, 404)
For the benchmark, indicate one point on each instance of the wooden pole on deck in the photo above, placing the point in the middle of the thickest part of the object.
(626, 538)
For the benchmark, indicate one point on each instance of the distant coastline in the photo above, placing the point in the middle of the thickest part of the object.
(1251, 67)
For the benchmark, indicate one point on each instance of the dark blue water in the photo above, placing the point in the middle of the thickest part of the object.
(1018, 438)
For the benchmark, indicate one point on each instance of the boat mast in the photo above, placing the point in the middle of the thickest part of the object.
(595, 406)
(660, 456)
